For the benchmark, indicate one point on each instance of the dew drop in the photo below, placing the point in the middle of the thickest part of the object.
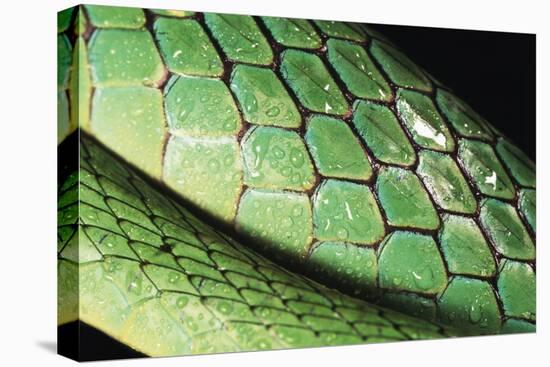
(213, 165)
(342, 233)
(229, 126)
(265, 312)
(286, 171)
(228, 160)
(192, 324)
(297, 210)
(273, 111)
(296, 158)
(263, 344)
(173, 277)
(225, 308)
(251, 103)
(287, 222)
(278, 152)
(182, 301)
(475, 313)
(424, 279)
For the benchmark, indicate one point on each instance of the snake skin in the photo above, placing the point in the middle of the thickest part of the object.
(319, 145)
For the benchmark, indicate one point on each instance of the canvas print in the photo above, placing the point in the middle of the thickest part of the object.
(235, 183)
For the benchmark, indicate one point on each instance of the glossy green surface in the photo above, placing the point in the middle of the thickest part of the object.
(263, 97)
(112, 55)
(346, 160)
(484, 168)
(200, 107)
(357, 70)
(318, 92)
(177, 286)
(380, 129)
(349, 265)
(466, 121)
(345, 30)
(446, 183)
(404, 199)
(186, 49)
(521, 167)
(64, 58)
(528, 207)
(471, 305)
(118, 111)
(345, 211)
(115, 17)
(271, 129)
(64, 19)
(173, 13)
(400, 69)
(80, 86)
(424, 123)
(505, 229)
(63, 119)
(464, 247)
(516, 285)
(514, 326)
(283, 218)
(277, 159)
(411, 304)
(293, 32)
(411, 262)
(192, 169)
(240, 38)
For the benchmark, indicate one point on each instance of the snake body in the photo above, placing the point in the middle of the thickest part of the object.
(250, 183)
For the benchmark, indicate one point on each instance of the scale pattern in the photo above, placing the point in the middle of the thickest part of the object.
(158, 279)
(325, 148)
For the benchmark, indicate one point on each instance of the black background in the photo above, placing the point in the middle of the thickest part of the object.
(494, 72)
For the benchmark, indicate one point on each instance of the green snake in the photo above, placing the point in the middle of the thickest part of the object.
(235, 183)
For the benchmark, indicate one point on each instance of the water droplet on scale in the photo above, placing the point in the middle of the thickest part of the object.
(475, 313)
(287, 222)
(278, 152)
(213, 165)
(296, 158)
(251, 104)
(273, 111)
(297, 210)
(286, 171)
(225, 308)
(424, 279)
(173, 277)
(182, 302)
(296, 178)
(342, 233)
